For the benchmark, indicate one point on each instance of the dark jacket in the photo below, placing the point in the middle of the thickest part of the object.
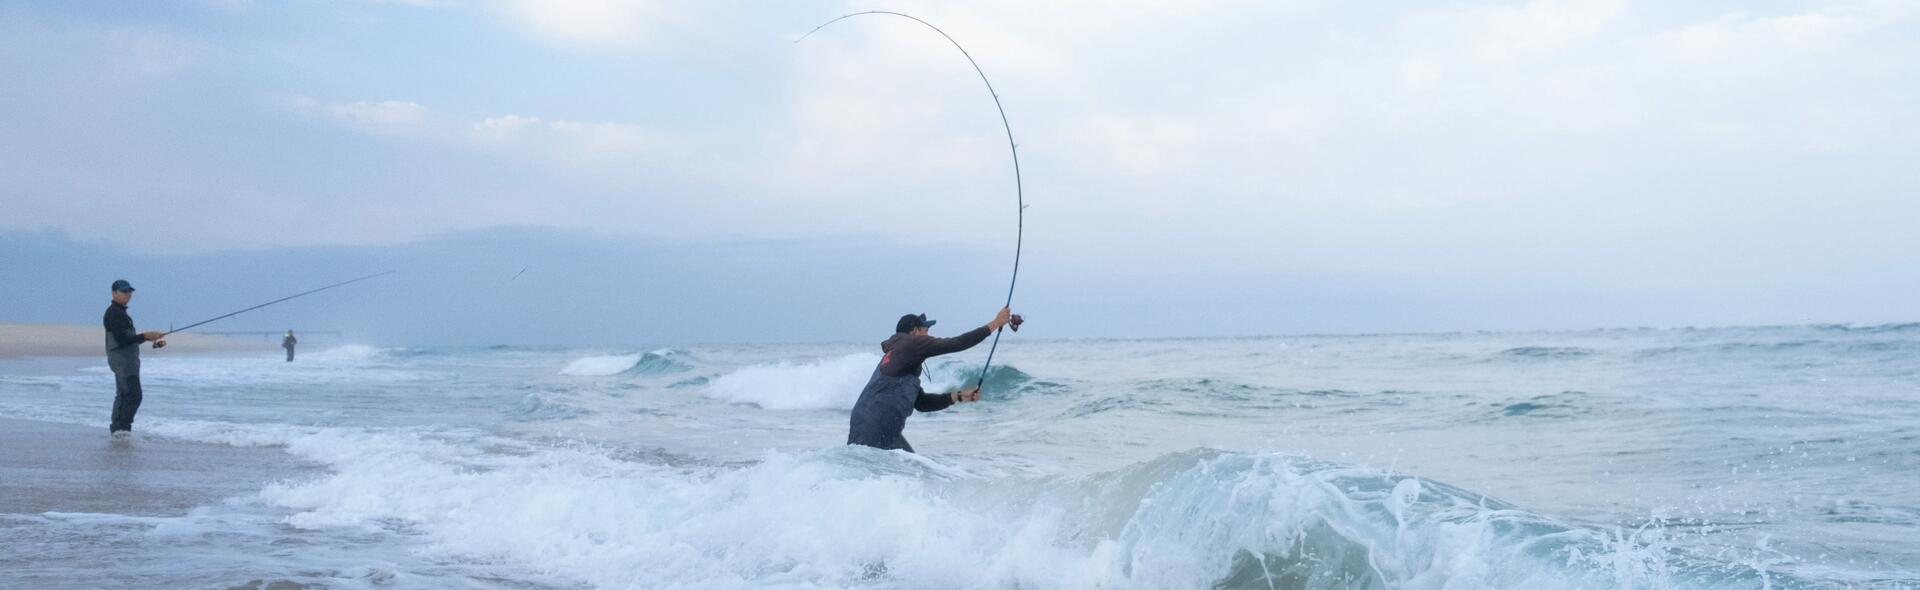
(893, 392)
(906, 352)
(121, 337)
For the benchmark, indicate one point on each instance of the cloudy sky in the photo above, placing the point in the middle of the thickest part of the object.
(1193, 168)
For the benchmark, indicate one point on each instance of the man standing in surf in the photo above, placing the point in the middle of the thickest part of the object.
(123, 357)
(894, 392)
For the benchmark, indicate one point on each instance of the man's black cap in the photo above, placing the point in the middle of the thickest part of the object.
(910, 321)
(122, 286)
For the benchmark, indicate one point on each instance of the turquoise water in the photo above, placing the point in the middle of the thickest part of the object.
(1783, 457)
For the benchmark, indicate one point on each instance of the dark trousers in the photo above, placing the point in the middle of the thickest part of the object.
(289, 354)
(126, 394)
(880, 416)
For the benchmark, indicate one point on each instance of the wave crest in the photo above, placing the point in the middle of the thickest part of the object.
(949, 375)
(1547, 352)
(872, 518)
(1274, 521)
(650, 363)
(825, 384)
(835, 383)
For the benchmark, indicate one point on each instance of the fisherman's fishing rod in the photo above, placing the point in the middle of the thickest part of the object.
(293, 296)
(1019, 192)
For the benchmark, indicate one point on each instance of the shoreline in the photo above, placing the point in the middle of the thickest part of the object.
(53, 467)
(22, 340)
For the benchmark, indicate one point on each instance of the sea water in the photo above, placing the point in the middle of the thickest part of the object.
(1778, 457)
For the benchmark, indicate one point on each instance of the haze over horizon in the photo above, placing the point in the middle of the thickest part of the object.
(674, 174)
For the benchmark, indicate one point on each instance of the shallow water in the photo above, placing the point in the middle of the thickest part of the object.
(1723, 458)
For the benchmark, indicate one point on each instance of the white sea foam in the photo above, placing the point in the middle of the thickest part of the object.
(827, 384)
(346, 352)
(222, 433)
(854, 517)
(618, 524)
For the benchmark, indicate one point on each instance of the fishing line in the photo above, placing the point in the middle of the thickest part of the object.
(293, 296)
(1019, 192)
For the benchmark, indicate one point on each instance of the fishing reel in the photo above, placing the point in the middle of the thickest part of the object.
(1014, 322)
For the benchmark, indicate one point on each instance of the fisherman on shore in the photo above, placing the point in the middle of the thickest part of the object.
(123, 357)
(894, 392)
(288, 343)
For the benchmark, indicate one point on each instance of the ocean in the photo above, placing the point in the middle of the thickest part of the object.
(1766, 457)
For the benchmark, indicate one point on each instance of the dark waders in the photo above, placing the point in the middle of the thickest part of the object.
(880, 416)
(125, 363)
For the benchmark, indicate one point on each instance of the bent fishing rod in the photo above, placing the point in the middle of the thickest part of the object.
(1019, 192)
(289, 297)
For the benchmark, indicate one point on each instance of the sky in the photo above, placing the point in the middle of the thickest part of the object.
(686, 172)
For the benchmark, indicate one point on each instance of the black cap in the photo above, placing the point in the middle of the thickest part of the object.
(122, 285)
(913, 320)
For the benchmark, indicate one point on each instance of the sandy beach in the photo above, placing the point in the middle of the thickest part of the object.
(29, 340)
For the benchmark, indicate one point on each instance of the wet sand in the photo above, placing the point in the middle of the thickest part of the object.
(48, 467)
(80, 510)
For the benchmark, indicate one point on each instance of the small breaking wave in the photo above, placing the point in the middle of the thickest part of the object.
(835, 383)
(1523, 408)
(1547, 352)
(650, 363)
(949, 375)
(407, 353)
(1870, 329)
(1565, 404)
(691, 382)
(826, 384)
(542, 406)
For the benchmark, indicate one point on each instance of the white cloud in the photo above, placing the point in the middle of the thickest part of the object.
(595, 150)
(1251, 135)
(122, 52)
(591, 146)
(389, 116)
(1541, 26)
(1236, 117)
(502, 129)
(617, 23)
(154, 54)
(1305, 128)
(1737, 36)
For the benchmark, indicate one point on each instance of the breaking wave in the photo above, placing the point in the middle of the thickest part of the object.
(1547, 352)
(651, 363)
(825, 384)
(948, 375)
(1196, 519)
(835, 383)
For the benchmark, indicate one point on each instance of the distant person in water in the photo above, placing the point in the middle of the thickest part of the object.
(123, 356)
(894, 392)
(288, 343)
